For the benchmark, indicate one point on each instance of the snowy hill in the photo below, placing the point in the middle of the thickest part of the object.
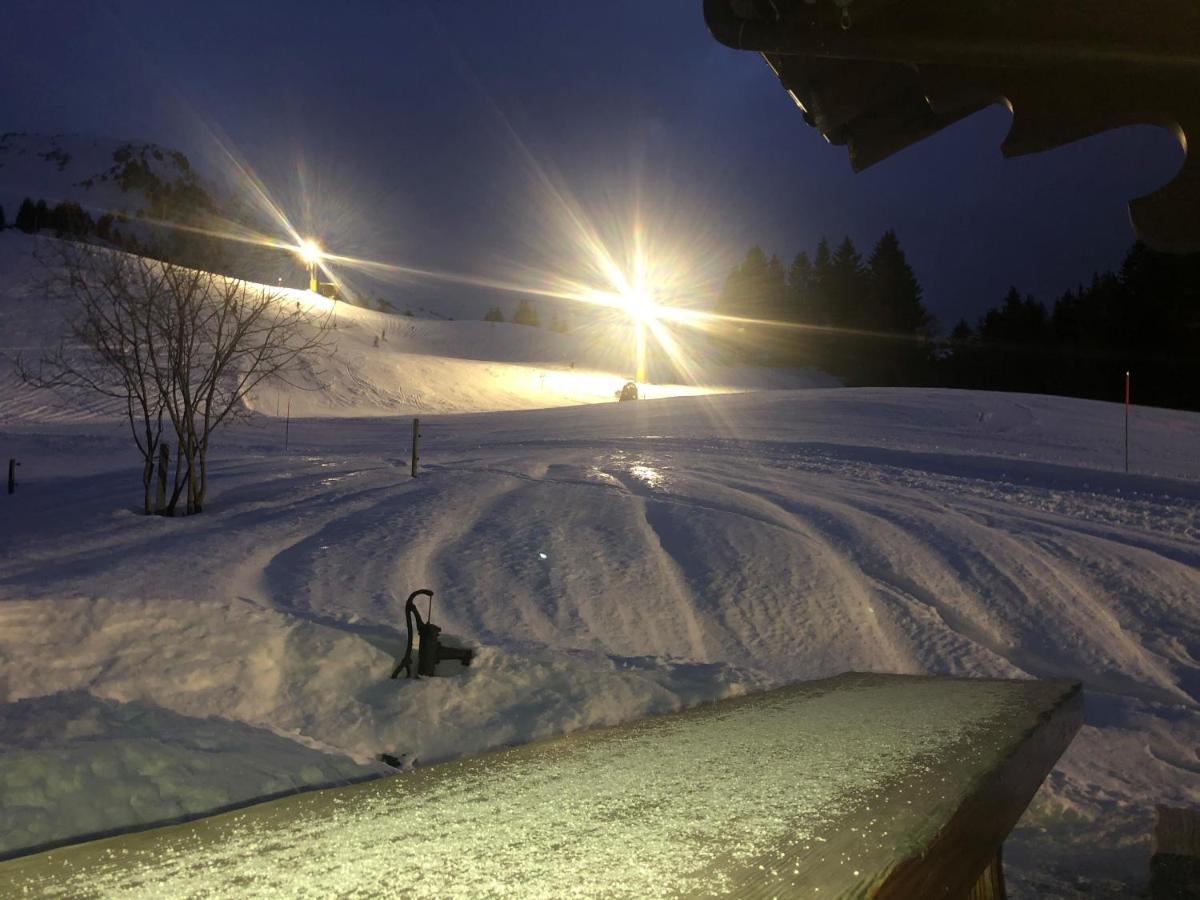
(382, 364)
(607, 561)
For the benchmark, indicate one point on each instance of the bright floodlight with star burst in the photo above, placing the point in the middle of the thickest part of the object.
(310, 251)
(657, 280)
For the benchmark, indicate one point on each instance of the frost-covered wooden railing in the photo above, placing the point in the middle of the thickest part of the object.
(859, 785)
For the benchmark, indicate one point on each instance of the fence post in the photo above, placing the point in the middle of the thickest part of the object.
(1127, 421)
(12, 475)
(416, 438)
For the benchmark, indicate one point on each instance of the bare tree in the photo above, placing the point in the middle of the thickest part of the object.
(108, 340)
(173, 342)
(225, 337)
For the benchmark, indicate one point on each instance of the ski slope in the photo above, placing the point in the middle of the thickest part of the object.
(606, 560)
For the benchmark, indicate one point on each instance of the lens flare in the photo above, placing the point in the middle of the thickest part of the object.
(641, 278)
(310, 251)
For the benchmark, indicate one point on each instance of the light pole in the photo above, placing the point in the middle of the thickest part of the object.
(310, 252)
(639, 306)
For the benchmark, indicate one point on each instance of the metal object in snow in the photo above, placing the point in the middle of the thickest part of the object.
(430, 651)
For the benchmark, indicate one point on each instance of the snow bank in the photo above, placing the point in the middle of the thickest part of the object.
(75, 765)
(166, 709)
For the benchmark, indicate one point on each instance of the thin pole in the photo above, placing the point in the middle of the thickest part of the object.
(287, 424)
(416, 438)
(12, 475)
(1127, 421)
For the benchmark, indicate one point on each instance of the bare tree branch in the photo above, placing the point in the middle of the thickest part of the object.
(171, 342)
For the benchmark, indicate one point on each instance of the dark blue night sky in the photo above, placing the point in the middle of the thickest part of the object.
(400, 122)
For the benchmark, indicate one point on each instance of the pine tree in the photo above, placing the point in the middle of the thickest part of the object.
(800, 307)
(729, 300)
(893, 305)
(799, 287)
(68, 219)
(26, 217)
(773, 304)
(1141, 318)
(756, 289)
(822, 274)
(743, 291)
(895, 292)
(526, 314)
(844, 296)
(41, 215)
(848, 288)
(494, 314)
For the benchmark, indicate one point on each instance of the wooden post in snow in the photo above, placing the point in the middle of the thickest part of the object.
(164, 460)
(416, 439)
(287, 424)
(1127, 421)
(12, 475)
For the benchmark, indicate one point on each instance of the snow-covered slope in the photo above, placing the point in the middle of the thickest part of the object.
(607, 561)
(381, 364)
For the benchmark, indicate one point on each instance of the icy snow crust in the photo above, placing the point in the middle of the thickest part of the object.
(608, 561)
(815, 789)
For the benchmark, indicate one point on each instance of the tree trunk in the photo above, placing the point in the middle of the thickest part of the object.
(164, 460)
(202, 488)
(147, 478)
(177, 487)
(191, 478)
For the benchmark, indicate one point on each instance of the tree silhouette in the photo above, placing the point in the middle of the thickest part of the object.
(526, 314)
(895, 292)
(755, 290)
(26, 217)
(68, 219)
(839, 304)
(895, 311)
(822, 277)
(848, 291)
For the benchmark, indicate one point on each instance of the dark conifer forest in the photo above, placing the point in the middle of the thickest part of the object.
(863, 320)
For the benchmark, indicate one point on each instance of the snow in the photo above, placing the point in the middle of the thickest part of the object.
(607, 561)
(115, 765)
